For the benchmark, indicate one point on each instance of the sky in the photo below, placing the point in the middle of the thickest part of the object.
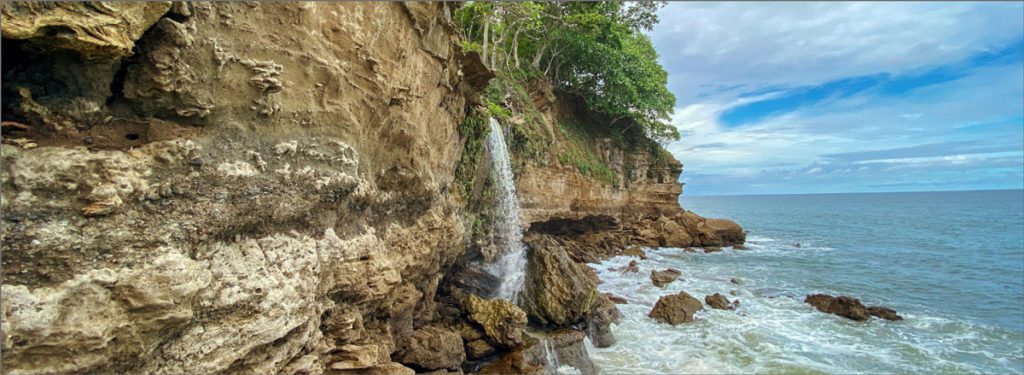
(798, 97)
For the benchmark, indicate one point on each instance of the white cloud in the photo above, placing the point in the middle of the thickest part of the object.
(803, 43)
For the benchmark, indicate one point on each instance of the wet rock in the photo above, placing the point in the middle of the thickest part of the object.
(502, 321)
(616, 299)
(635, 251)
(632, 267)
(603, 314)
(711, 249)
(739, 247)
(884, 313)
(844, 306)
(718, 301)
(690, 250)
(736, 280)
(525, 359)
(557, 290)
(664, 277)
(569, 350)
(433, 348)
(675, 309)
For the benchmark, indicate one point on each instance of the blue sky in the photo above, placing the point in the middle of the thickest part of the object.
(777, 98)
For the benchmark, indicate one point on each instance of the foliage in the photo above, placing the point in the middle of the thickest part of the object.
(474, 130)
(595, 50)
(582, 154)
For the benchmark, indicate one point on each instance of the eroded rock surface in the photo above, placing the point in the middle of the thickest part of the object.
(675, 309)
(664, 277)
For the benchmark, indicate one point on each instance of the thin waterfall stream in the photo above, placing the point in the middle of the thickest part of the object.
(510, 268)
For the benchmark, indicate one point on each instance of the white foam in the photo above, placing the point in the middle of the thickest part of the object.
(780, 334)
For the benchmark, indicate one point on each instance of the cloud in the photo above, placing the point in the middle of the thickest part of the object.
(726, 45)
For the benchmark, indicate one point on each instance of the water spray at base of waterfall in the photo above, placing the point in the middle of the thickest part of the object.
(511, 266)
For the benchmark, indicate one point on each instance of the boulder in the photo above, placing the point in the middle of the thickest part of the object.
(736, 280)
(432, 348)
(739, 247)
(844, 306)
(675, 309)
(711, 249)
(502, 321)
(602, 315)
(718, 301)
(616, 299)
(526, 359)
(557, 291)
(884, 313)
(635, 251)
(664, 277)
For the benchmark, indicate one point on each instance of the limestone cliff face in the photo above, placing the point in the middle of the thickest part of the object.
(270, 188)
(558, 191)
(258, 188)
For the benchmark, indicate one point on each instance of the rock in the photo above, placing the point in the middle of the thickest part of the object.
(664, 277)
(526, 359)
(711, 249)
(739, 247)
(690, 250)
(105, 30)
(433, 348)
(557, 290)
(479, 348)
(616, 299)
(602, 315)
(570, 350)
(635, 251)
(796, 245)
(884, 313)
(736, 280)
(675, 309)
(718, 301)
(502, 321)
(632, 267)
(844, 306)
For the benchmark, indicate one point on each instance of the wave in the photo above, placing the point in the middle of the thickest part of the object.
(774, 331)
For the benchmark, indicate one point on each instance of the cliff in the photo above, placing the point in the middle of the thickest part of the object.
(267, 188)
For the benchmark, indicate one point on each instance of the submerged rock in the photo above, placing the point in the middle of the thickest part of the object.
(844, 306)
(632, 267)
(718, 301)
(739, 247)
(675, 309)
(711, 249)
(616, 299)
(502, 321)
(884, 313)
(664, 277)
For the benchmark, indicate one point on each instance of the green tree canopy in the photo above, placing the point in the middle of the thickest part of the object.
(595, 50)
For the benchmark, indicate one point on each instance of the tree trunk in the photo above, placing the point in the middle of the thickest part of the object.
(487, 29)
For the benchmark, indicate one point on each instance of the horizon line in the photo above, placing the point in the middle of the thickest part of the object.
(1021, 189)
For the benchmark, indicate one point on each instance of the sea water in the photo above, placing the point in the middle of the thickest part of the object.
(951, 263)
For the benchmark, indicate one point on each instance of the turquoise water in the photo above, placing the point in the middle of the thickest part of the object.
(951, 263)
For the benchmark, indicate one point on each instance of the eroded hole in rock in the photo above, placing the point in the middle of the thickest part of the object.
(131, 137)
(589, 224)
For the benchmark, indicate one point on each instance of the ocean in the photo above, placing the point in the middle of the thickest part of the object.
(951, 263)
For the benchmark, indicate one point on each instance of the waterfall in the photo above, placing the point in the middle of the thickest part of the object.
(550, 354)
(510, 268)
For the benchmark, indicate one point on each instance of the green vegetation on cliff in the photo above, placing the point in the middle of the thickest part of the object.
(593, 50)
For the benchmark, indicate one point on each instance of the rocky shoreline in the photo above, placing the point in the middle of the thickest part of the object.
(179, 199)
